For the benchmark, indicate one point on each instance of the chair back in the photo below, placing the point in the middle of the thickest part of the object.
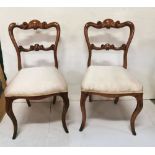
(109, 23)
(34, 25)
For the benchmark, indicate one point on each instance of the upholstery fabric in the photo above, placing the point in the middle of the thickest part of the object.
(110, 80)
(36, 81)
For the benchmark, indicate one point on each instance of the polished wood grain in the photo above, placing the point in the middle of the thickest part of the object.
(109, 23)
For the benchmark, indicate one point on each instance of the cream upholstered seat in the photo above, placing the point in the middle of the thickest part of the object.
(110, 80)
(36, 81)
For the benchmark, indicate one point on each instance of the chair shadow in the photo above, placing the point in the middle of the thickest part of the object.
(56, 111)
(153, 101)
(106, 38)
(37, 38)
(108, 111)
(40, 112)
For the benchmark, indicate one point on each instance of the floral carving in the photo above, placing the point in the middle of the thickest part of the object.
(108, 47)
(37, 47)
(108, 23)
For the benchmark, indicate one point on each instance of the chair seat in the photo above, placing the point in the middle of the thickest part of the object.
(110, 80)
(36, 81)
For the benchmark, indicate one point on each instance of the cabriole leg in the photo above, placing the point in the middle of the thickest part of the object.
(11, 115)
(138, 109)
(65, 109)
(83, 109)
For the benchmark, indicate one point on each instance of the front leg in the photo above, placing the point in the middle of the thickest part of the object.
(83, 109)
(11, 115)
(65, 109)
(138, 109)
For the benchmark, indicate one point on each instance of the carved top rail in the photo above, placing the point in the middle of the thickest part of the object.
(34, 24)
(109, 23)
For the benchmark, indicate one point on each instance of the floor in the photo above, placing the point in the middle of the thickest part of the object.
(107, 124)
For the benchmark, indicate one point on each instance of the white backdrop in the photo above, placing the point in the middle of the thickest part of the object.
(72, 50)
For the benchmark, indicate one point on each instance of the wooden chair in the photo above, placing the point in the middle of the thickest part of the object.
(36, 82)
(110, 81)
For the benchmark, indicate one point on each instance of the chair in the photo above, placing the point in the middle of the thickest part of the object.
(110, 81)
(35, 83)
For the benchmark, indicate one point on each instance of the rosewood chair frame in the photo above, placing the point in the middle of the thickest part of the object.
(35, 24)
(109, 23)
